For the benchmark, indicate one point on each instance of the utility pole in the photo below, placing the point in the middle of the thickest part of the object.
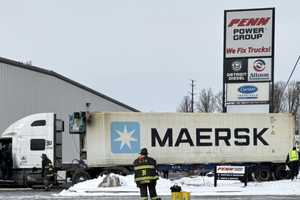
(192, 94)
(287, 83)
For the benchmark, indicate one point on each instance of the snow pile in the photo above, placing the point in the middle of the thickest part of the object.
(197, 186)
(110, 181)
(90, 187)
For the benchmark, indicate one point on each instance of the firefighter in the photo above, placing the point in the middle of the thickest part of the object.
(292, 161)
(47, 172)
(145, 174)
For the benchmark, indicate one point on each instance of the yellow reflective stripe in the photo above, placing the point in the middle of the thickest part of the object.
(143, 182)
(146, 178)
(293, 155)
(144, 167)
(153, 198)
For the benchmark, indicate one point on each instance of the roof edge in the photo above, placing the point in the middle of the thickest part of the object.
(59, 76)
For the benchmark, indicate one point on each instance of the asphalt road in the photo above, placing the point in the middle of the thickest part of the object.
(41, 195)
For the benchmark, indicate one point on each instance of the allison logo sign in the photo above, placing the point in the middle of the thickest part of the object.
(259, 65)
(243, 92)
(259, 69)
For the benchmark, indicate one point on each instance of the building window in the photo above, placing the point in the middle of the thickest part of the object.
(39, 123)
(37, 144)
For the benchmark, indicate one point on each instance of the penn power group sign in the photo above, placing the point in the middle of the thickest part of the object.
(227, 172)
(248, 73)
(249, 33)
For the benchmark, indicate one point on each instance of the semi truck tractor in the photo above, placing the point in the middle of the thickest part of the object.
(111, 141)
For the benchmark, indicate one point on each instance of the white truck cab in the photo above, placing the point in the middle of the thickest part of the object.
(29, 138)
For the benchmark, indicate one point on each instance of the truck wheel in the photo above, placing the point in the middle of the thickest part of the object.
(80, 176)
(281, 173)
(261, 174)
(265, 174)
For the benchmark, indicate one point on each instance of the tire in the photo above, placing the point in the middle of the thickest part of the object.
(281, 173)
(262, 174)
(80, 176)
(265, 174)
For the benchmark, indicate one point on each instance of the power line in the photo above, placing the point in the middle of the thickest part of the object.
(291, 75)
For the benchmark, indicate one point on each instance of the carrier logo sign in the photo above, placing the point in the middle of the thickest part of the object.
(247, 92)
(259, 69)
(125, 137)
(247, 89)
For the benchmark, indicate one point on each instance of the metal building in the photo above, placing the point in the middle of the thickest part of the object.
(26, 89)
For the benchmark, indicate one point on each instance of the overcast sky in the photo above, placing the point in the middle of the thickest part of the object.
(140, 52)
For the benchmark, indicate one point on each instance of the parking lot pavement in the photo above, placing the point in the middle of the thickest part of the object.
(29, 194)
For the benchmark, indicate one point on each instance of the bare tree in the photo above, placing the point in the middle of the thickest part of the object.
(186, 105)
(278, 98)
(286, 99)
(219, 102)
(206, 101)
(292, 97)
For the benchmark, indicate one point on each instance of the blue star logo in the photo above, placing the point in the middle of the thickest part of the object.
(125, 137)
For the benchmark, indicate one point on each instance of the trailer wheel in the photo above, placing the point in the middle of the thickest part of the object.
(80, 176)
(265, 174)
(262, 174)
(281, 172)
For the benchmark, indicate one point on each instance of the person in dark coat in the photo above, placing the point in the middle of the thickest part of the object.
(6, 164)
(145, 174)
(1, 161)
(165, 173)
(292, 160)
(47, 172)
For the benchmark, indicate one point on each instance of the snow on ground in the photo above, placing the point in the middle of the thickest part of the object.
(197, 186)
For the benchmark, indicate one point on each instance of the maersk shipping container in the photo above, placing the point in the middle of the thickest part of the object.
(186, 138)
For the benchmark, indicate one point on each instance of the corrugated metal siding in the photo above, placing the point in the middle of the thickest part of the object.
(24, 92)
